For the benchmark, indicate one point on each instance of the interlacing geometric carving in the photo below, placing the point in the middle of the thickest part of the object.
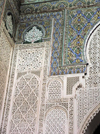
(94, 54)
(30, 59)
(56, 121)
(71, 115)
(24, 111)
(91, 96)
(86, 100)
(54, 89)
(90, 118)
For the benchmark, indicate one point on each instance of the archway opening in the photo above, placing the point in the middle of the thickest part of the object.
(94, 125)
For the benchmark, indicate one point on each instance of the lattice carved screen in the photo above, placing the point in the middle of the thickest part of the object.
(26, 94)
(54, 89)
(56, 122)
(25, 105)
(71, 81)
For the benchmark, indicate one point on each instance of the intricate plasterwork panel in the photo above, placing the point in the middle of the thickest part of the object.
(5, 59)
(25, 105)
(5, 52)
(24, 100)
(92, 115)
(54, 89)
(30, 59)
(91, 96)
(87, 100)
(71, 115)
(5, 49)
(71, 81)
(56, 122)
(11, 80)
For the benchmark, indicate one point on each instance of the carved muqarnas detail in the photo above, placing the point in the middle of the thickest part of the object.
(34, 35)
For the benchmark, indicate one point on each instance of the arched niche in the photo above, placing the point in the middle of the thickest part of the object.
(88, 41)
(91, 119)
(54, 89)
(91, 122)
(56, 121)
(25, 103)
(92, 50)
(9, 23)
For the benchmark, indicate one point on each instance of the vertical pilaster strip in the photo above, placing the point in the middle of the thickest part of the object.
(2, 7)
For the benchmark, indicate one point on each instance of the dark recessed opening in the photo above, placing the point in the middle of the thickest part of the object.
(97, 131)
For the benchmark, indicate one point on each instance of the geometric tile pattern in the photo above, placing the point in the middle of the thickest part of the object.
(80, 22)
(67, 56)
(56, 42)
(69, 2)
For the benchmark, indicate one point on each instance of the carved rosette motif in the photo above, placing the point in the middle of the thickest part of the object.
(33, 35)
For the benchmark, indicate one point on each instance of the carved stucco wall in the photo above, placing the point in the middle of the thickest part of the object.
(89, 98)
(5, 59)
(29, 105)
(34, 98)
(2, 4)
(25, 87)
